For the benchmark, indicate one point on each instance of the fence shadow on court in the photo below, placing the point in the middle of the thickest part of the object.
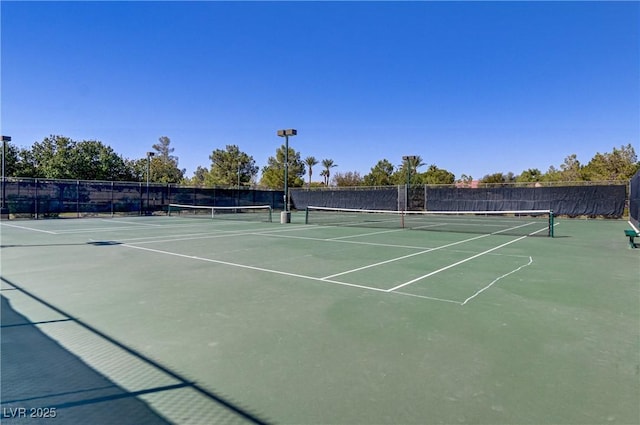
(41, 377)
(94, 243)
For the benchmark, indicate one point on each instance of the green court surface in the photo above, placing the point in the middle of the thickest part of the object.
(202, 321)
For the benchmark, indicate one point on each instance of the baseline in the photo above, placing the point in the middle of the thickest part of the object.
(244, 266)
(28, 228)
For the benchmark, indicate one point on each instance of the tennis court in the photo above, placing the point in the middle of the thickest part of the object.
(193, 320)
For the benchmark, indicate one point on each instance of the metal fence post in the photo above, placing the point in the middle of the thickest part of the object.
(111, 199)
(78, 198)
(37, 201)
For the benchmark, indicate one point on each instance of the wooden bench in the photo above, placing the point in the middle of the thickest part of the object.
(631, 234)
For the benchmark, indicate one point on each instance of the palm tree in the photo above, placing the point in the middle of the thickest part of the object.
(310, 161)
(412, 163)
(327, 164)
(415, 162)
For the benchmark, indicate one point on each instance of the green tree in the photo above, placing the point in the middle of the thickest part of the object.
(11, 160)
(199, 177)
(348, 179)
(164, 166)
(465, 180)
(530, 175)
(60, 157)
(231, 167)
(328, 164)
(273, 172)
(380, 174)
(413, 163)
(571, 169)
(494, 178)
(620, 164)
(92, 160)
(50, 157)
(435, 175)
(310, 162)
(552, 175)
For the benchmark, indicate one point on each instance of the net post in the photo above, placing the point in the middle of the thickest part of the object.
(551, 223)
(270, 214)
(306, 215)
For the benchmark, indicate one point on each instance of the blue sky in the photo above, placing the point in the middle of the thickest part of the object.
(472, 87)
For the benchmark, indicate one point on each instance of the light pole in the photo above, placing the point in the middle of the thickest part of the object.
(149, 156)
(4, 211)
(286, 215)
(408, 159)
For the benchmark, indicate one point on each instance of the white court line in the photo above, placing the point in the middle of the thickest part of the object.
(244, 266)
(634, 227)
(426, 297)
(157, 227)
(461, 261)
(219, 234)
(386, 245)
(405, 256)
(365, 234)
(129, 222)
(430, 250)
(29, 228)
(495, 280)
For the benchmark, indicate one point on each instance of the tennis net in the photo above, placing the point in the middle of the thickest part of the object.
(518, 223)
(242, 213)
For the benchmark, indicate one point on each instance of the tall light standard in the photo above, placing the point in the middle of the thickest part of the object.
(408, 159)
(4, 211)
(285, 217)
(149, 156)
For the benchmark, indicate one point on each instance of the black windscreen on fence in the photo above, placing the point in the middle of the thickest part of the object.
(634, 199)
(382, 198)
(51, 198)
(597, 200)
(592, 200)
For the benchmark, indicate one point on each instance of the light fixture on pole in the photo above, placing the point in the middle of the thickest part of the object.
(409, 159)
(4, 211)
(149, 156)
(286, 217)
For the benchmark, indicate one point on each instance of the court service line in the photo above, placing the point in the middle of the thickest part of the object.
(29, 228)
(404, 257)
(497, 279)
(260, 269)
(130, 222)
(457, 263)
(214, 235)
(365, 234)
(338, 240)
(434, 249)
(384, 245)
(111, 229)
